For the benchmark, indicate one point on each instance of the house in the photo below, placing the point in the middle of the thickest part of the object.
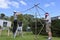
(54, 18)
(58, 17)
(5, 23)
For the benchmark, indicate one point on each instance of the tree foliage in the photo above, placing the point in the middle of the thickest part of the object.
(2, 15)
(29, 20)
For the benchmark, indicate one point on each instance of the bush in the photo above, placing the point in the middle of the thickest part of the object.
(55, 28)
(38, 27)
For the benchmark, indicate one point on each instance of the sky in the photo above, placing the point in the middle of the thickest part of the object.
(9, 6)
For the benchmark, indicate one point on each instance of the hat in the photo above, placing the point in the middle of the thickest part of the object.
(46, 13)
(14, 11)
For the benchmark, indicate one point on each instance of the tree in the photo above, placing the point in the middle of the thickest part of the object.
(27, 20)
(20, 17)
(56, 27)
(11, 18)
(2, 16)
(7, 18)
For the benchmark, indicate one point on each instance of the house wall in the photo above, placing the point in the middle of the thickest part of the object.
(58, 17)
(8, 23)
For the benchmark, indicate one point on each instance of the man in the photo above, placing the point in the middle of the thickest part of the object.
(48, 25)
(15, 24)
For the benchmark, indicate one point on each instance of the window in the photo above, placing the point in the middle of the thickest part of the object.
(4, 24)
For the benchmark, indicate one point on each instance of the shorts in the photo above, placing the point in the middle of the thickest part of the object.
(48, 27)
(19, 28)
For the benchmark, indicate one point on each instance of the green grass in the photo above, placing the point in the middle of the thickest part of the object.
(26, 36)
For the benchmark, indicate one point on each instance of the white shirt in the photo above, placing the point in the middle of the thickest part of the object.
(49, 19)
(15, 17)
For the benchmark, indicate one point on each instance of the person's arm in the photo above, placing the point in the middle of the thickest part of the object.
(46, 18)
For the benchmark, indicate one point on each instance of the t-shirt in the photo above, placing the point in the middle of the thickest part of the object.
(15, 17)
(48, 19)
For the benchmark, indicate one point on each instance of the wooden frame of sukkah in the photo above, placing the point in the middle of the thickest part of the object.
(37, 12)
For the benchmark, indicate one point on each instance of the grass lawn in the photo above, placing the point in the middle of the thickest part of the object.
(26, 36)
